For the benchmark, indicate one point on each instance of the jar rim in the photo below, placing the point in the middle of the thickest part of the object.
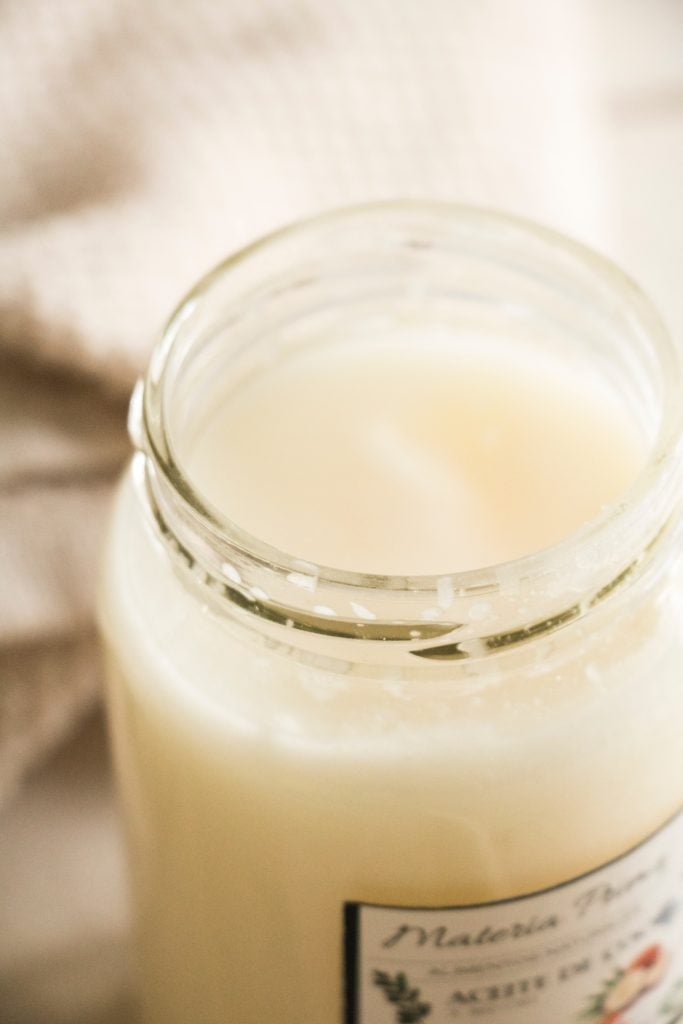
(660, 469)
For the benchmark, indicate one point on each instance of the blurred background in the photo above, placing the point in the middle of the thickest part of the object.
(144, 140)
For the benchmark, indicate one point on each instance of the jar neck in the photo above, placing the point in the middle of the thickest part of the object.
(431, 262)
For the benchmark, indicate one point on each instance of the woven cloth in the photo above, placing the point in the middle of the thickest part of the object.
(144, 141)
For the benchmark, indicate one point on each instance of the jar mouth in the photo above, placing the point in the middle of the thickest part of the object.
(627, 527)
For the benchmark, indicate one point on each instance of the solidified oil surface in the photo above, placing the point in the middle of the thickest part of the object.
(392, 457)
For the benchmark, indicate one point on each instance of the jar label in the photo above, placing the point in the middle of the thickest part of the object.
(606, 948)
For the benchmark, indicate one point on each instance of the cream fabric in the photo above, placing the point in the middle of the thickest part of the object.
(145, 139)
(61, 443)
(149, 138)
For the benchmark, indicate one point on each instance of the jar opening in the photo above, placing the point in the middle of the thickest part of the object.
(496, 270)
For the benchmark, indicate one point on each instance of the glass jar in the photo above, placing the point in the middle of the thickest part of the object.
(378, 799)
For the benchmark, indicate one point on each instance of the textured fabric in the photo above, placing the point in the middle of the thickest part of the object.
(143, 140)
(45, 689)
(151, 138)
(61, 444)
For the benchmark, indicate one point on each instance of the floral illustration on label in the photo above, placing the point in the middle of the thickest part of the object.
(627, 986)
(398, 990)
